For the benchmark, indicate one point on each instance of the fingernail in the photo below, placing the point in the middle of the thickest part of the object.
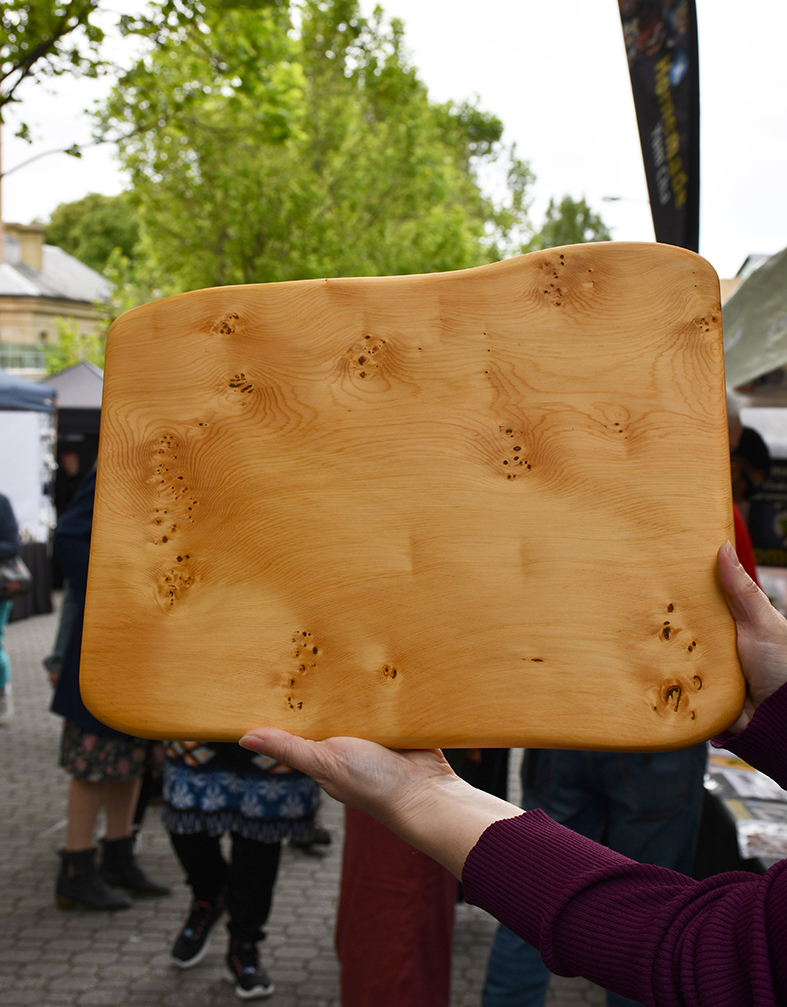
(731, 553)
(252, 743)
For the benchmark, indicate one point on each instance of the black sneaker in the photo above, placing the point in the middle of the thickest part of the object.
(193, 940)
(251, 980)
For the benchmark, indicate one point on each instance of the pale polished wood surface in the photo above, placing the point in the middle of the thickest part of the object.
(478, 508)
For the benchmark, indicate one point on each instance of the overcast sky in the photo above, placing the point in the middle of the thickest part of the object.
(556, 74)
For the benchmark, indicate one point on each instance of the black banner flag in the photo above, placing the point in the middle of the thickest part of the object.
(661, 45)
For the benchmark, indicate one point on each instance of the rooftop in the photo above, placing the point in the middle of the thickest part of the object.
(30, 268)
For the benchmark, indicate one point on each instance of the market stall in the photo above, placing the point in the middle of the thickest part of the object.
(27, 437)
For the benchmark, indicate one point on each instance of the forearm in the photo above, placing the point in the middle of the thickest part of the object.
(447, 818)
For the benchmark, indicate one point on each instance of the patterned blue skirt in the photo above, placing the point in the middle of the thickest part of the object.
(218, 787)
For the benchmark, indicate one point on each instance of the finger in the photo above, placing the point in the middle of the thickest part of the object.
(284, 747)
(748, 605)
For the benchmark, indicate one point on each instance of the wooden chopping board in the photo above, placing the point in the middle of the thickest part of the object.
(478, 508)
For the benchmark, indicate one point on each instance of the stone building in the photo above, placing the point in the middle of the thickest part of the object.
(39, 285)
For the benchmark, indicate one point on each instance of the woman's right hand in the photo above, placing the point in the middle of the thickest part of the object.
(378, 780)
(415, 793)
(762, 635)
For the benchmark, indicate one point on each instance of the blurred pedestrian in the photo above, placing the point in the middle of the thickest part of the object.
(750, 462)
(10, 546)
(646, 806)
(740, 492)
(105, 766)
(213, 788)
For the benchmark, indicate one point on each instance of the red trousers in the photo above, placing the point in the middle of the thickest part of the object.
(395, 922)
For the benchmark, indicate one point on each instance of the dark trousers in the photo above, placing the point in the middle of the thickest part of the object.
(246, 882)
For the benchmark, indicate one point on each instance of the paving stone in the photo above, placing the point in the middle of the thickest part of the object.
(15, 997)
(121, 970)
(17, 955)
(322, 964)
(96, 958)
(297, 952)
(46, 968)
(77, 983)
(30, 982)
(99, 998)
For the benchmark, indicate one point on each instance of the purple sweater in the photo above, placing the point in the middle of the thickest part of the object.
(642, 931)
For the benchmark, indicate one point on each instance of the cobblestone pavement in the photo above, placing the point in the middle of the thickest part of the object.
(52, 958)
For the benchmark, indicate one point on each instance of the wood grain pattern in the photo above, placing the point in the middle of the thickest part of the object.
(478, 508)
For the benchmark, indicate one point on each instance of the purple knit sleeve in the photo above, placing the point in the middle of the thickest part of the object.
(642, 931)
(645, 932)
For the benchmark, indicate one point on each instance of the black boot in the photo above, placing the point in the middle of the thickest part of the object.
(120, 869)
(79, 883)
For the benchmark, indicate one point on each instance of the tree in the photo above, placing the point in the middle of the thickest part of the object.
(46, 38)
(260, 149)
(568, 223)
(73, 346)
(93, 227)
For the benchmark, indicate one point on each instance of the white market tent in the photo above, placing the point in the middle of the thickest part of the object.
(26, 462)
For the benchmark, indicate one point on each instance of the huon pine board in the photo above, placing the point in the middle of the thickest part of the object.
(478, 508)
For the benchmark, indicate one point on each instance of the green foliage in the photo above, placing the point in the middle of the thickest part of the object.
(261, 149)
(73, 347)
(92, 228)
(568, 223)
(133, 282)
(44, 38)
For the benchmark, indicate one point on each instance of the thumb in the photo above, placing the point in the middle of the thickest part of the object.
(747, 603)
(762, 630)
(286, 748)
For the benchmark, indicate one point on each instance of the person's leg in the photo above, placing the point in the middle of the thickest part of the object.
(6, 701)
(79, 882)
(515, 976)
(121, 799)
(119, 866)
(250, 883)
(206, 874)
(85, 800)
(92, 762)
(206, 869)
(150, 789)
(560, 783)
(249, 895)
